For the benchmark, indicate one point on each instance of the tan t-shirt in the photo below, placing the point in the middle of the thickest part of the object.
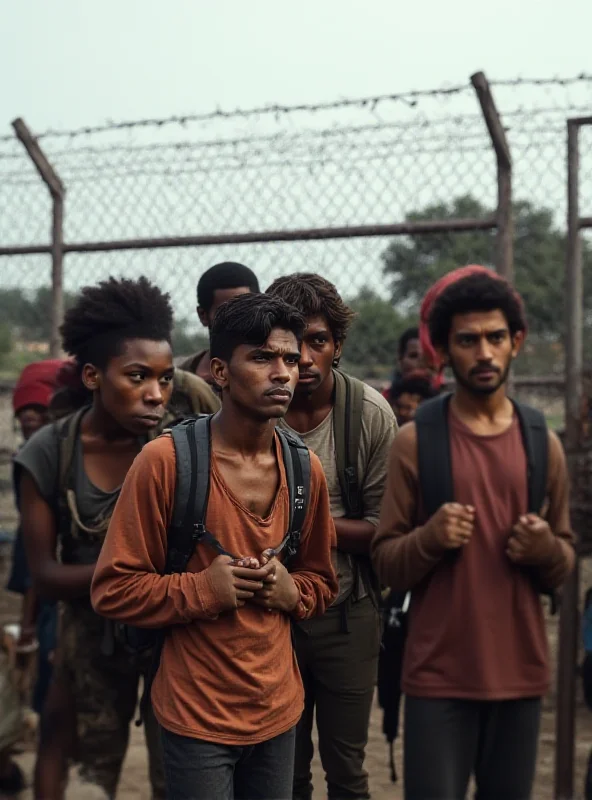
(476, 628)
(227, 677)
(378, 431)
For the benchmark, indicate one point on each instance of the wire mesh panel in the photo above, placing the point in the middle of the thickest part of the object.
(368, 161)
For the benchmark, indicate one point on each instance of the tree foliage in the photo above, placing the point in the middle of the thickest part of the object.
(372, 341)
(413, 264)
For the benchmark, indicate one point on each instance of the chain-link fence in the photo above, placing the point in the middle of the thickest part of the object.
(370, 162)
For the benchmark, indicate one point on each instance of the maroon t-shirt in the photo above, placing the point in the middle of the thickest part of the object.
(476, 626)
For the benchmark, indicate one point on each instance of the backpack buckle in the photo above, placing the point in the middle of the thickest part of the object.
(199, 532)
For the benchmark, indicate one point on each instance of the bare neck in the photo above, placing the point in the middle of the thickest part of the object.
(99, 423)
(233, 431)
(318, 402)
(483, 412)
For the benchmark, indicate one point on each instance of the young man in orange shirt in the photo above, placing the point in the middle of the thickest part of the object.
(227, 693)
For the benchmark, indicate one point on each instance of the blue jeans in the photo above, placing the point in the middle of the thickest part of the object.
(199, 770)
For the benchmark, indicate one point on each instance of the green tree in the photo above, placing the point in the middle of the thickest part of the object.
(5, 342)
(186, 343)
(414, 263)
(371, 345)
(29, 316)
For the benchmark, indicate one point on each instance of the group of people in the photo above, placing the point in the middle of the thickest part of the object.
(228, 533)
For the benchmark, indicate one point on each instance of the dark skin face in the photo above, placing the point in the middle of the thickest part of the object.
(133, 389)
(129, 399)
(206, 317)
(481, 351)
(317, 354)
(412, 358)
(405, 406)
(260, 381)
(31, 419)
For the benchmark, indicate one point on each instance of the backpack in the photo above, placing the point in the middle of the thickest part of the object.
(347, 432)
(192, 442)
(191, 439)
(435, 465)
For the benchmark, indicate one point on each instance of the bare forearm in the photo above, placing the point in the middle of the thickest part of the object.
(354, 535)
(29, 610)
(57, 581)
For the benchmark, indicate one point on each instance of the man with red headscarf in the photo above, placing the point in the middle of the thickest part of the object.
(475, 545)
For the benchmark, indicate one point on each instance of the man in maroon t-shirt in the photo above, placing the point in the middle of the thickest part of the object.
(476, 662)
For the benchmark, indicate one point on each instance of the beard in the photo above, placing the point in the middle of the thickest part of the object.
(477, 389)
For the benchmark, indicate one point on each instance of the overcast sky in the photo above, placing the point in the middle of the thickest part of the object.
(66, 63)
(74, 63)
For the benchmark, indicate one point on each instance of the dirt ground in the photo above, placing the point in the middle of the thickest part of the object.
(134, 784)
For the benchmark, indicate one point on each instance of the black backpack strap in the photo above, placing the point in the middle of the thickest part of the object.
(66, 430)
(535, 437)
(297, 465)
(192, 450)
(434, 461)
(347, 431)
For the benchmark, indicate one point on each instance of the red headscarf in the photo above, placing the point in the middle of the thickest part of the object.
(430, 355)
(36, 384)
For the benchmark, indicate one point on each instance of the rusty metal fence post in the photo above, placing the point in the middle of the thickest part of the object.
(57, 192)
(505, 226)
(569, 618)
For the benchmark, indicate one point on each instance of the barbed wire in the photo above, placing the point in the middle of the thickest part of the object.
(359, 161)
(409, 98)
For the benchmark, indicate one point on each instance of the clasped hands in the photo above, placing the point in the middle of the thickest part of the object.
(263, 581)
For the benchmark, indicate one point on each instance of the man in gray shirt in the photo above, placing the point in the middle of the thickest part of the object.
(338, 652)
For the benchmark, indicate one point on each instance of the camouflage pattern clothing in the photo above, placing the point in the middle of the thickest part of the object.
(104, 690)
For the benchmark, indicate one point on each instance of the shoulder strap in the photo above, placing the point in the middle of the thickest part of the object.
(192, 450)
(67, 430)
(297, 465)
(347, 428)
(535, 437)
(434, 462)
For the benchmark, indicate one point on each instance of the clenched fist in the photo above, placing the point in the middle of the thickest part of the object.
(532, 541)
(452, 525)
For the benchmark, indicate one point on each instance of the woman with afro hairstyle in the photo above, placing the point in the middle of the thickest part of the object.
(119, 335)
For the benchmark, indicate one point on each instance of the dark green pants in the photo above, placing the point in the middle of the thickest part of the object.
(338, 670)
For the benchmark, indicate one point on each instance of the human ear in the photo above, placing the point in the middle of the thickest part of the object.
(219, 370)
(91, 377)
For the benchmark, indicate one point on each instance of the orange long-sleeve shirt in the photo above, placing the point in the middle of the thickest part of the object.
(226, 677)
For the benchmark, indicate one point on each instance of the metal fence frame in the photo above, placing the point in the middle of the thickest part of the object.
(501, 220)
(569, 619)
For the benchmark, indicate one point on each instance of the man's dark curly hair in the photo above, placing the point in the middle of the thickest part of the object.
(314, 296)
(479, 292)
(249, 319)
(112, 312)
(227, 275)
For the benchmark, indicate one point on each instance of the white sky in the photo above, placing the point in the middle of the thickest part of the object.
(67, 63)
